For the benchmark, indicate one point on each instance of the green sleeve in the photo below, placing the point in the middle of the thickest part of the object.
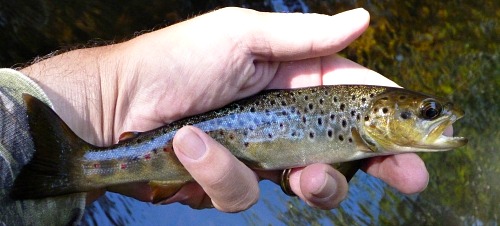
(16, 149)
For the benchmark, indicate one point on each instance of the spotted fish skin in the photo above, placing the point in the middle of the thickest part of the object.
(275, 129)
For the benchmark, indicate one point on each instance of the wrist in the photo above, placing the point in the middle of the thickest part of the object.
(74, 81)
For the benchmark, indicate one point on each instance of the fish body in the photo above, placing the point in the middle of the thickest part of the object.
(275, 129)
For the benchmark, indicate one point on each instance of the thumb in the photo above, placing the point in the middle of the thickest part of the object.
(230, 184)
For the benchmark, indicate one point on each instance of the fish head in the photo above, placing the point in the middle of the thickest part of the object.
(400, 120)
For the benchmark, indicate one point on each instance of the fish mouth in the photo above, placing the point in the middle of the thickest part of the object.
(437, 138)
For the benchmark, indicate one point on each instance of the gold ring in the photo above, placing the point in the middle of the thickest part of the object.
(285, 183)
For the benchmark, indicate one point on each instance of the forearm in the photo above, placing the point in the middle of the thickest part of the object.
(81, 84)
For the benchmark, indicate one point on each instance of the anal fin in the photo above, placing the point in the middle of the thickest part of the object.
(163, 190)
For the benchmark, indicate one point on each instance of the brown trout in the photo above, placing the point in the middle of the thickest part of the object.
(275, 129)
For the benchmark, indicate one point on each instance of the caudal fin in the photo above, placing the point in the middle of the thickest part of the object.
(55, 168)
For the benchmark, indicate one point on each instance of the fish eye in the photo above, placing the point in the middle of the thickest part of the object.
(430, 109)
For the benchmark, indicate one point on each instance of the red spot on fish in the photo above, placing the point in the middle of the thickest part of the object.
(97, 165)
(167, 149)
(147, 156)
(123, 166)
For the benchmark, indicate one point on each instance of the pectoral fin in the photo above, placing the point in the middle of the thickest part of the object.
(360, 144)
(163, 190)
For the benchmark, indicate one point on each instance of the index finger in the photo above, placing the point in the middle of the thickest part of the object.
(294, 36)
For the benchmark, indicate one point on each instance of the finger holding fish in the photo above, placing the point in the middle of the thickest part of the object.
(198, 152)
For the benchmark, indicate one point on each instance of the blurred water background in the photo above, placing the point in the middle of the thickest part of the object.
(446, 48)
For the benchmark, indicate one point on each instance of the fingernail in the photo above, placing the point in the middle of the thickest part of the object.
(326, 188)
(192, 145)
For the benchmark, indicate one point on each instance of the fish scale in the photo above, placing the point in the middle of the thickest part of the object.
(275, 129)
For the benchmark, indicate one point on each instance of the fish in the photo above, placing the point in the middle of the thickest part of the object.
(272, 130)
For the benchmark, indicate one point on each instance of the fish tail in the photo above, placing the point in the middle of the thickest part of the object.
(55, 168)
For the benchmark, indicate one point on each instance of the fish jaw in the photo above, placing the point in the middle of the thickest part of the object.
(438, 141)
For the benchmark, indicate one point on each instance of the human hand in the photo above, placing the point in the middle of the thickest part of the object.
(205, 63)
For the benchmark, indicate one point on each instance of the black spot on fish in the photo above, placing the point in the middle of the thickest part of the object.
(272, 102)
(241, 108)
(353, 113)
(332, 116)
(231, 136)
(284, 112)
(335, 99)
(367, 118)
(320, 121)
(246, 144)
(306, 110)
(311, 135)
(344, 123)
(372, 95)
(311, 106)
(321, 101)
(304, 120)
(342, 107)
(326, 93)
(405, 115)
(270, 135)
(252, 109)
(353, 97)
(330, 133)
(375, 110)
(350, 140)
(245, 133)
(306, 97)
(283, 103)
(363, 99)
(385, 110)
(385, 98)
(294, 100)
(341, 138)
(281, 125)
(293, 134)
